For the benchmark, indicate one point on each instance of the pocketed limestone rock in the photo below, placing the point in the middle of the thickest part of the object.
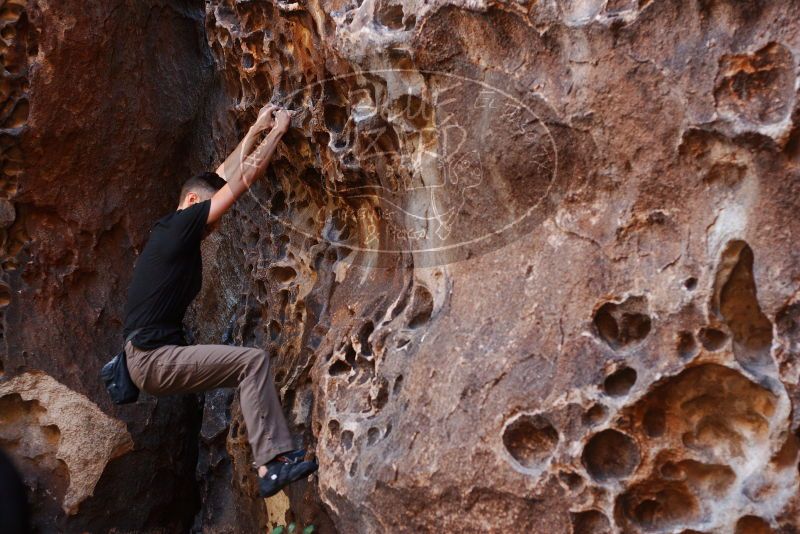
(61, 440)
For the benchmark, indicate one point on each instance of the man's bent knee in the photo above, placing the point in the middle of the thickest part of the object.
(257, 362)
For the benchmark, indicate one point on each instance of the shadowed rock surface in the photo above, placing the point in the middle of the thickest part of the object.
(525, 267)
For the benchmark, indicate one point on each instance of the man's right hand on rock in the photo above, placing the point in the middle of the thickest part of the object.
(283, 118)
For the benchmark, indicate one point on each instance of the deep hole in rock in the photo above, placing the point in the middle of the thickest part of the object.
(787, 323)
(335, 117)
(288, 400)
(347, 439)
(686, 345)
(274, 328)
(620, 382)
(398, 385)
(671, 471)
(711, 338)
(34, 446)
(281, 244)
(658, 505)
(350, 355)
(372, 435)
(594, 415)
(690, 283)
(615, 6)
(390, 16)
(530, 439)
(572, 480)
(710, 413)
(338, 368)
(278, 203)
(654, 422)
(363, 338)
(339, 230)
(261, 291)
(610, 454)
(735, 296)
(590, 522)
(382, 395)
(751, 524)
(792, 149)
(282, 274)
(713, 409)
(279, 376)
(247, 61)
(421, 307)
(333, 428)
(624, 324)
(282, 298)
(606, 324)
(5, 295)
(786, 457)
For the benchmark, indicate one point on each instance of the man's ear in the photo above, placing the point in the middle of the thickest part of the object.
(192, 198)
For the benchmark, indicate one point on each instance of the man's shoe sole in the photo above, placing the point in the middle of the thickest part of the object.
(302, 472)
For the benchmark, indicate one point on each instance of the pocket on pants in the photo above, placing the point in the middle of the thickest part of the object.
(170, 377)
(134, 368)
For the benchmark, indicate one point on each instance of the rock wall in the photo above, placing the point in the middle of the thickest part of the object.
(520, 267)
(526, 266)
(101, 120)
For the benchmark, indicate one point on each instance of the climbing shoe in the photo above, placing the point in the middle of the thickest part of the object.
(283, 470)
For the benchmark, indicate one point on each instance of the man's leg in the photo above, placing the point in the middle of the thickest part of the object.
(194, 368)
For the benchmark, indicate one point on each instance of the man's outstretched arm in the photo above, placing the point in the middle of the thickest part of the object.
(250, 169)
(232, 165)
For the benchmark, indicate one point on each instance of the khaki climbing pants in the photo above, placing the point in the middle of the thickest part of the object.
(177, 369)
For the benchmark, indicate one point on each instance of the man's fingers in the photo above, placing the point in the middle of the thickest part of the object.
(267, 110)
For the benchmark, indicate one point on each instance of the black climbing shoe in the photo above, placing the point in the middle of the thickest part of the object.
(286, 468)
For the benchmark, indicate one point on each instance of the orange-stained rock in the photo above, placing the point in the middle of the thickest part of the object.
(530, 265)
(521, 267)
(47, 426)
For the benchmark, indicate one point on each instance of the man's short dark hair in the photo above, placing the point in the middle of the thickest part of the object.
(207, 182)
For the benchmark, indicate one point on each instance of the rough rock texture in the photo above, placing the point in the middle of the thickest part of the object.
(526, 266)
(101, 109)
(52, 428)
(522, 267)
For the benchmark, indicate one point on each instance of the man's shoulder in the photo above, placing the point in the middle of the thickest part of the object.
(186, 215)
(165, 220)
(164, 223)
(159, 231)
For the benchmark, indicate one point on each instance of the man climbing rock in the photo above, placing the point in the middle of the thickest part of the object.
(167, 277)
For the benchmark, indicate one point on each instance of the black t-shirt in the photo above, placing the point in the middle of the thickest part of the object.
(166, 278)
